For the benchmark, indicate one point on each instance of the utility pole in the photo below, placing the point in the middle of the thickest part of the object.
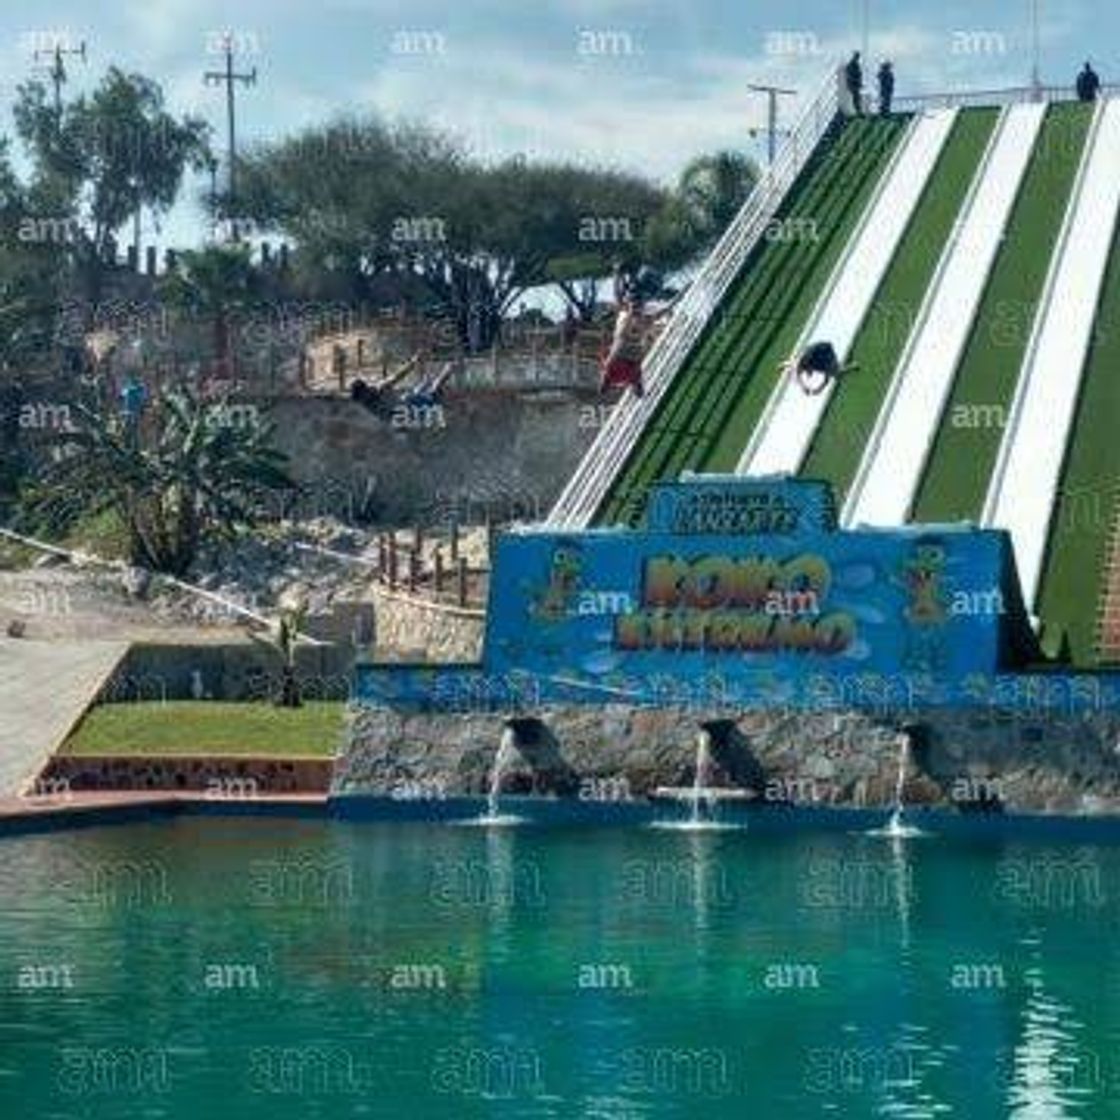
(772, 130)
(229, 78)
(1036, 52)
(58, 70)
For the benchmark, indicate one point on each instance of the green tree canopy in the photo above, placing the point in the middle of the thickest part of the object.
(105, 155)
(364, 201)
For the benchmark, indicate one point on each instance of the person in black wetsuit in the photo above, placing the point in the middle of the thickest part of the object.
(817, 366)
(1088, 84)
(853, 78)
(886, 88)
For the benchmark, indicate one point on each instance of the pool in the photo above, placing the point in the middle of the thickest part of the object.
(210, 966)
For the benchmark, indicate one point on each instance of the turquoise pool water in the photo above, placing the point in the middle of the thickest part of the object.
(223, 967)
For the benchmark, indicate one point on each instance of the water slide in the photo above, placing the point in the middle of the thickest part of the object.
(612, 447)
(782, 438)
(891, 468)
(720, 392)
(1023, 487)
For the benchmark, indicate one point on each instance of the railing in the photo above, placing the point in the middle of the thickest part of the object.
(978, 98)
(589, 485)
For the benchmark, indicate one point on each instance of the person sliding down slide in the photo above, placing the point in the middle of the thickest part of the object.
(817, 366)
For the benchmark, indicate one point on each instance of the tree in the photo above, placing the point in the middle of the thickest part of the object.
(30, 276)
(371, 202)
(182, 471)
(212, 284)
(710, 192)
(103, 157)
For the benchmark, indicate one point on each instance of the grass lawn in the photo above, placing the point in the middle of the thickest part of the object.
(188, 727)
(964, 452)
(851, 412)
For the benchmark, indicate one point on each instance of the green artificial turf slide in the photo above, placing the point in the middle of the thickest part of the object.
(737, 424)
(967, 442)
(854, 405)
(1087, 494)
(781, 278)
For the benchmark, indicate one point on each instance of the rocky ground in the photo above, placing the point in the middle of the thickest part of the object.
(48, 597)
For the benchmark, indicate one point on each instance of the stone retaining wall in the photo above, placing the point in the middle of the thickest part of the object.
(241, 671)
(974, 759)
(412, 627)
(230, 778)
(502, 454)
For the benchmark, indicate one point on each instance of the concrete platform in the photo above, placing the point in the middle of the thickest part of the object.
(45, 686)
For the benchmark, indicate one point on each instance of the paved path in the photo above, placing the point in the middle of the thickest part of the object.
(44, 688)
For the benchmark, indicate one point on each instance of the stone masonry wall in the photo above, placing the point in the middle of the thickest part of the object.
(504, 453)
(424, 631)
(972, 759)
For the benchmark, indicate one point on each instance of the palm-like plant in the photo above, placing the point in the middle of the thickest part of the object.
(171, 477)
(212, 284)
(283, 639)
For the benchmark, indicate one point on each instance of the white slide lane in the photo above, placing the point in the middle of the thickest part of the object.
(1028, 470)
(891, 469)
(784, 434)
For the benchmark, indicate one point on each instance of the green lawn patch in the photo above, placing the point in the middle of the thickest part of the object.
(968, 439)
(854, 405)
(1087, 494)
(206, 727)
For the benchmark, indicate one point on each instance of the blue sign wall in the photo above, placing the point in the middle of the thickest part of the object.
(747, 583)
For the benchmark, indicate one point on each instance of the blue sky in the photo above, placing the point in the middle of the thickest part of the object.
(643, 86)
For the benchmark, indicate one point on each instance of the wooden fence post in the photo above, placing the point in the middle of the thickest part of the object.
(393, 561)
(463, 581)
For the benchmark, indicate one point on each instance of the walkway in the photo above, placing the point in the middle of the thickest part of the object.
(44, 689)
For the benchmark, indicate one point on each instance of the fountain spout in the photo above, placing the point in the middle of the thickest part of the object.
(507, 747)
